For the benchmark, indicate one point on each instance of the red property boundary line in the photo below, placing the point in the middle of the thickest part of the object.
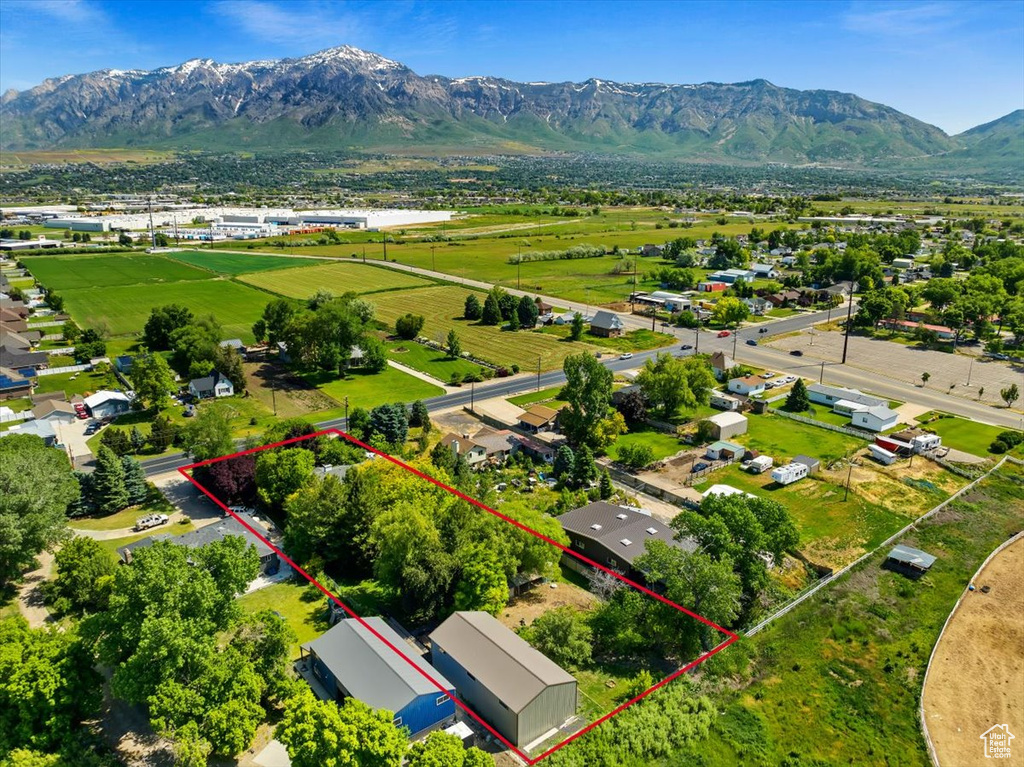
(731, 637)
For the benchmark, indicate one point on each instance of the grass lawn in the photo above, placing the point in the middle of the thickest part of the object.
(125, 518)
(18, 405)
(663, 445)
(82, 383)
(234, 263)
(850, 661)
(442, 307)
(88, 272)
(633, 341)
(179, 528)
(781, 437)
(825, 415)
(306, 615)
(780, 312)
(961, 434)
(430, 361)
(337, 277)
(371, 389)
(125, 309)
(532, 398)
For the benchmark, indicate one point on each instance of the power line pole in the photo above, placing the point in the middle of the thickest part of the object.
(538, 372)
(519, 267)
(849, 474)
(821, 378)
(849, 324)
(385, 240)
(433, 264)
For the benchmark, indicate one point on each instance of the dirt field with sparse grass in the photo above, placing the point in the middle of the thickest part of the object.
(294, 396)
(526, 608)
(976, 678)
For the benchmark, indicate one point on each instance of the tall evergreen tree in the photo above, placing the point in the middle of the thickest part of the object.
(134, 481)
(492, 311)
(797, 401)
(109, 489)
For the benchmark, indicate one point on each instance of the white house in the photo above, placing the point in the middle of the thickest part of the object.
(841, 400)
(105, 404)
(723, 401)
(757, 305)
(764, 271)
(473, 452)
(747, 386)
(214, 385)
(790, 473)
(878, 418)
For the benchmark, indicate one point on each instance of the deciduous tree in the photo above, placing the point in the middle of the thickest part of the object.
(588, 391)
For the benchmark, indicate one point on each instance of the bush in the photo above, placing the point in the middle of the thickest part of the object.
(998, 447)
(1010, 438)
(408, 326)
(636, 456)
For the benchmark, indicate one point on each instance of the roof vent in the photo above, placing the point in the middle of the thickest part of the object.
(595, 527)
(652, 531)
(621, 516)
(626, 542)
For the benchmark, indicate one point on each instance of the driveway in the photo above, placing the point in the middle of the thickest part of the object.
(186, 498)
(72, 435)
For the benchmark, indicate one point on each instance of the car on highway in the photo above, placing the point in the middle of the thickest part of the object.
(626, 356)
(686, 347)
(751, 342)
(724, 334)
(763, 330)
(797, 353)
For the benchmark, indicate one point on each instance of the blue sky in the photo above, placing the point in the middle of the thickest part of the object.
(953, 64)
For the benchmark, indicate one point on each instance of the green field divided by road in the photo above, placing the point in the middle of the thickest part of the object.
(90, 272)
(235, 263)
(339, 278)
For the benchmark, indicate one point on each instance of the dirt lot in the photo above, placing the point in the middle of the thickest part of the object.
(267, 383)
(976, 679)
(524, 609)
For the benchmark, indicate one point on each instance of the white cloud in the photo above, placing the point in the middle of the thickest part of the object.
(305, 25)
(902, 20)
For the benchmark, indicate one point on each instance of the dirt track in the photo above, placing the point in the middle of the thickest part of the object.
(976, 679)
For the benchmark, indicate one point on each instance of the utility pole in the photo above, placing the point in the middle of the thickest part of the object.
(970, 370)
(735, 338)
(696, 336)
(849, 474)
(538, 372)
(385, 241)
(821, 378)
(346, 412)
(519, 266)
(849, 323)
(472, 393)
(433, 264)
(364, 254)
(273, 397)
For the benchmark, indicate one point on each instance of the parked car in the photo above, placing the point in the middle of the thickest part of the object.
(686, 347)
(699, 466)
(768, 375)
(751, 342)
(81, 414)
(626, 356)
(150, 520)
(797, 353)
(724, 334)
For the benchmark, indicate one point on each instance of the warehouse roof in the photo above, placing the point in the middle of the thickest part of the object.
(371, 671)
(503, 662)
(728, 418)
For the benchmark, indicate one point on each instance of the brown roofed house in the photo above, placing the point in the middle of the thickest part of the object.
(538, 418)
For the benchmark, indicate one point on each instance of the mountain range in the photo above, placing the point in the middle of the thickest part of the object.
(349, 98)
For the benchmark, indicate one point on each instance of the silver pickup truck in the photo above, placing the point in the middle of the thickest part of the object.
(150, 520)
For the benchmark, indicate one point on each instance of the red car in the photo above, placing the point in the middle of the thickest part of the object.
(724, 334)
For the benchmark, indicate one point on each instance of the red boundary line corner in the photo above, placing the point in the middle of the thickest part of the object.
(731, 637)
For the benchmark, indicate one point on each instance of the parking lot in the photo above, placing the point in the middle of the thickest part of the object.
(907, 363)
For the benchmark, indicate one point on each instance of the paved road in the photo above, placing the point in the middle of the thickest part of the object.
(735, 345)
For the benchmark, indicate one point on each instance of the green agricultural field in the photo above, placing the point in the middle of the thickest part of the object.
(339, 278)
(235, 263)
(442, 306)
(371, 389)
(90, 272)
(124, 309)
(430, 361)
(532, 398)
(961, 434)
(853, 656)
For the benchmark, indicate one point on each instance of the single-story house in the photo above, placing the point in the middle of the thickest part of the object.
(233, 343)
(940, 331)
(42, 429)
(498, 444)
(613, 536)
(538, 418)
(566, 318)
(19, 358)
(728, 424)
(269, 562)
(214, 385)
(840, 399)
(747, 386)
(723, 401)
(724, 451)
(607, 325)
(903, 263)
(54, 411)
(877, 418)
(462, 445)
(764, 271)
(536, 449)
(909, 560)
(107, 404)
(353, 660)
(721, 363)
(516, 689)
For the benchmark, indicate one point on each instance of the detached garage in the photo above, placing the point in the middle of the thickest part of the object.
(519, 691)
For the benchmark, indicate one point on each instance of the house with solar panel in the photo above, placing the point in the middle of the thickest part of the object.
(613, 537)
(516, 689)
(351, 661)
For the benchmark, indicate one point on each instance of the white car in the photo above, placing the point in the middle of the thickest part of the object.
(767, 375)
(626, 356)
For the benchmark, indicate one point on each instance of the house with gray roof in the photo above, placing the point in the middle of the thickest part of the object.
(367, 660)
(214, 385)
(41, 428)
(607, 324)
(516, 689)
(840, 399)
(613, 536)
